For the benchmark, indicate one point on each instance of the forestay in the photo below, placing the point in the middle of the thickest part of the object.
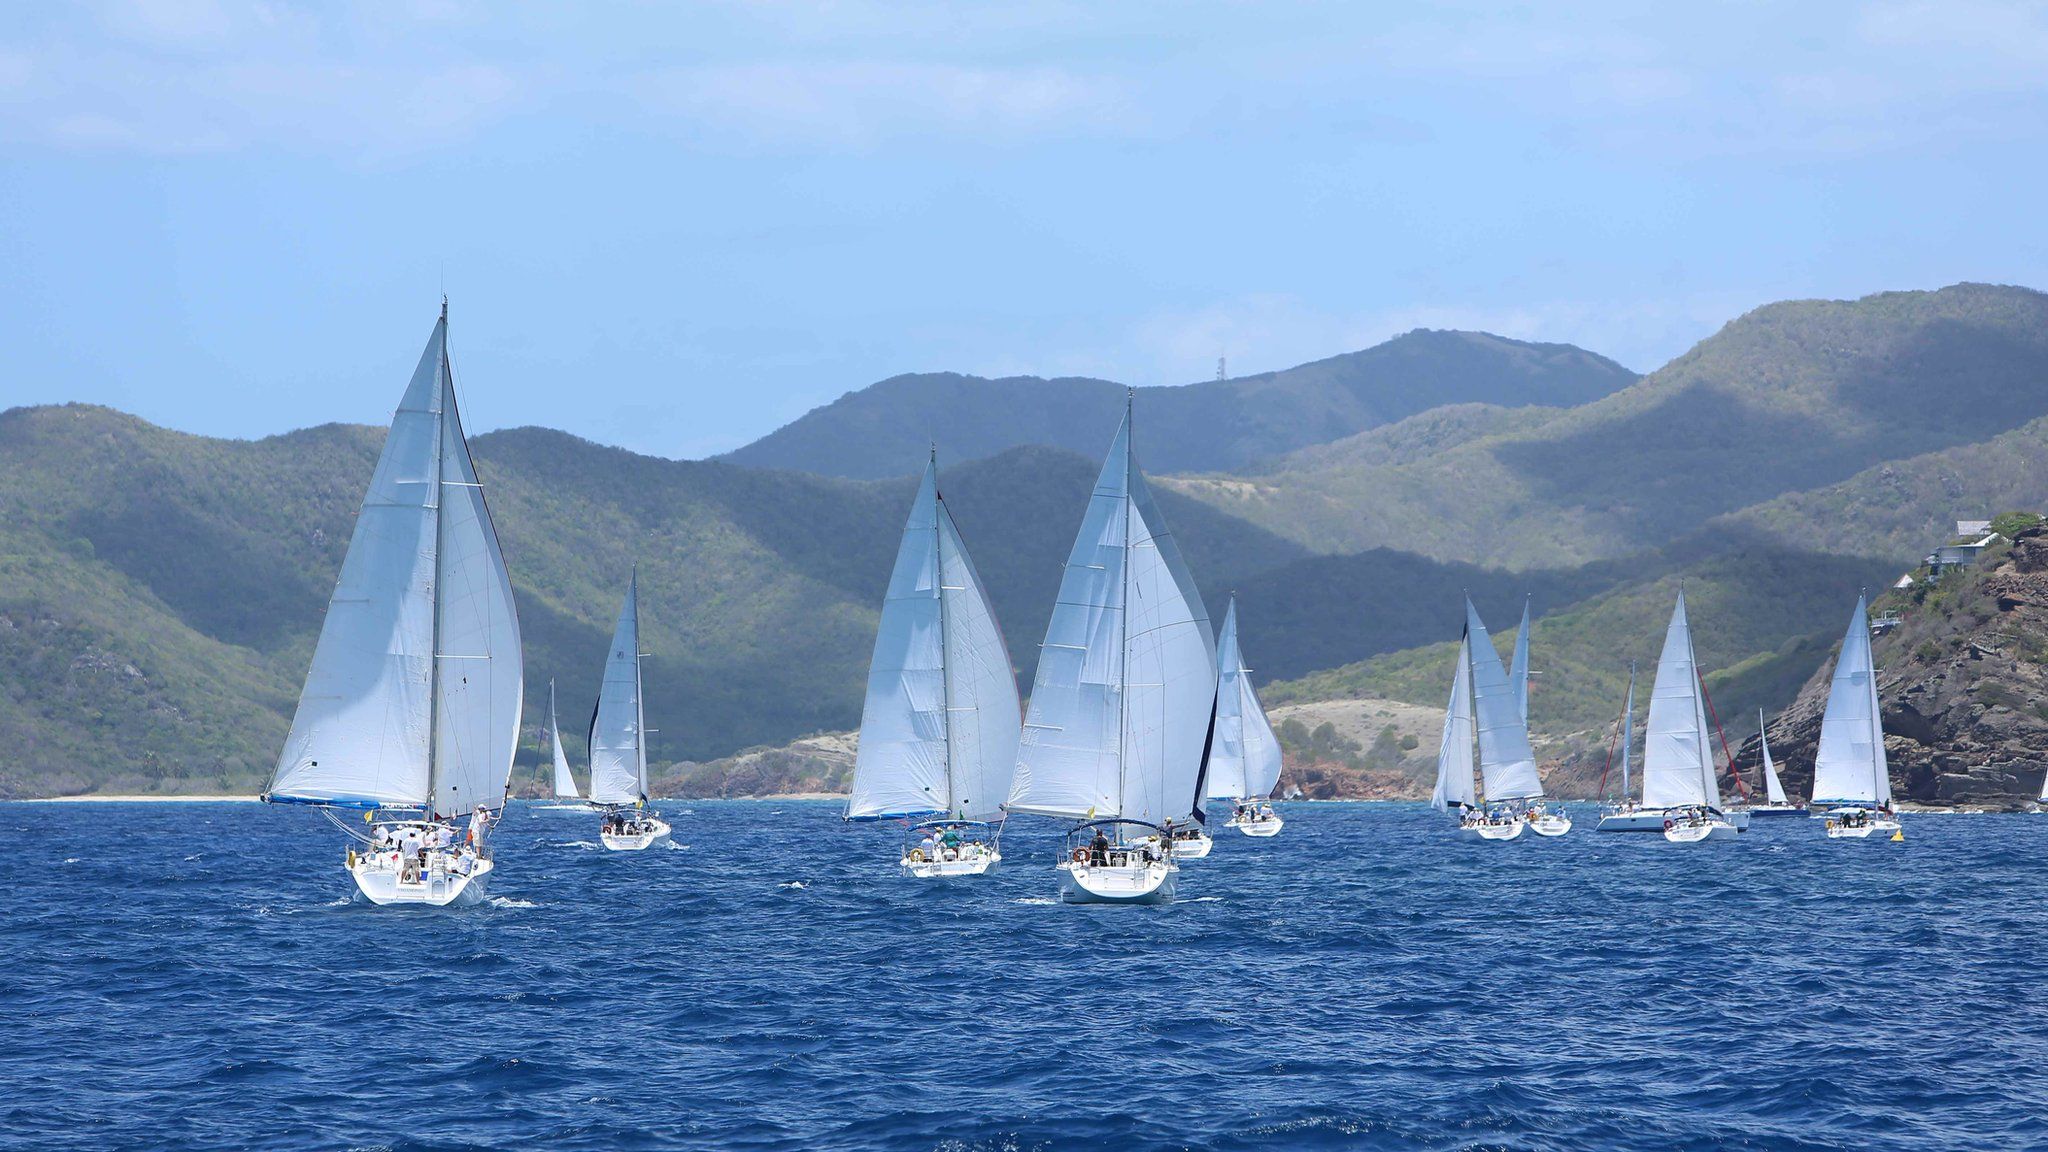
(618, 747)
(1126, 687)
(939, 726)
(1454, 756)
(1244, 758)
(1507, 765)
(565, 781)
(414, 694)
(1849, 766)
(1678, 762)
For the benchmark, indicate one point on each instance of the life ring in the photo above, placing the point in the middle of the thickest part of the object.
(1080, 856)
(1667, 825)
(917, 855)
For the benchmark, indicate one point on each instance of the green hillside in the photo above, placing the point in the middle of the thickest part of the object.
(1789, 397)
(1230, 424)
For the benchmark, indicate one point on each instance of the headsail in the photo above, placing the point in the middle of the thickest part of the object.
(1678, 761)
(1244, 761)
(939, 727)
(1507, 765)
(1454, 756)
(618, 748)
(1774, 791)
(1126, 684)
(565, 780)
(414, 693)
(1849, 766)
(1628, 728)
(1518, 666)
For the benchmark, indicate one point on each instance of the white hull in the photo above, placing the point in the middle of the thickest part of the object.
(636, 842)
(1739, 819)
(1507, 831)
(976, 864)
(1694, 833)
(1654, 819)
(1261, 828)
(1151, 883)
(1194, 849)
(1879, 828)
(1550, 824)
(1771, 811)
(381, 881)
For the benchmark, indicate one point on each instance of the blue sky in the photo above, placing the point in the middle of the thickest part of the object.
(675, 227)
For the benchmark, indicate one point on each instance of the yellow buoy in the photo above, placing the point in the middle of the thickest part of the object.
(1899, 835)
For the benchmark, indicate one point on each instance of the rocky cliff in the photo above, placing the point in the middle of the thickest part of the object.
(1963, 682)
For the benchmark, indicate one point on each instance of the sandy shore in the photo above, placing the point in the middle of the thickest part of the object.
(97, 798)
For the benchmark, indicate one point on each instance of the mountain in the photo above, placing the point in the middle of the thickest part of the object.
(160, 592)
(1222, 425)
(1789, 397)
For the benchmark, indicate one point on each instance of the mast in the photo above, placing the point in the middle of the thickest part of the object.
(1123, 616)
(434, 648)
(1628, 728)
(639, 696)
(945, 645)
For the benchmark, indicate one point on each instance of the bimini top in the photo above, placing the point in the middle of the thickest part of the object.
(951, 824)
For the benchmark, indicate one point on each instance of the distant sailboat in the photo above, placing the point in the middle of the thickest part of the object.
(1774, 803)
(412, 702)
(1849, 770)
(1483, 704)
(1518, 665)
(565, 781)
(1625, 809)
(618, 744)
(938, 733)
(1244, 758)
(1681, 794)
(1124, 703)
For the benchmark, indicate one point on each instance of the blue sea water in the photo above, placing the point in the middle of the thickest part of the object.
(194, 975)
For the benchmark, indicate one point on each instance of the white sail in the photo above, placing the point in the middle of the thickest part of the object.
(618, 749)
(1244, 757)
(1126, 685)
(565, 781)
(1628, 727)
(1678, 762)
(387, 717)
(1849, 766)
(1507, 765)
(1774, 791)
(939, 727)
(1454, 756)
(1518, 665)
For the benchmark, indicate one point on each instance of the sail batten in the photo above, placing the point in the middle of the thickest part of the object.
(414, 693)
(1849, 765)
(618, 745)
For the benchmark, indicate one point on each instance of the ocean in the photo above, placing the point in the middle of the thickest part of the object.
(196, 976)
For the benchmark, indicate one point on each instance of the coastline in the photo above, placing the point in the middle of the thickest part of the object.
(111, 798)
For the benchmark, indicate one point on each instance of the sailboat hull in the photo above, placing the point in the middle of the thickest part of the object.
(380, 880)
(1194, 848)
(965, 864)
(639, 841)
(1508, 831)
(1694, 833)
(1550, 824)
(1151, 883)
(1776, 811)
(1261, 828)
(1634, 820)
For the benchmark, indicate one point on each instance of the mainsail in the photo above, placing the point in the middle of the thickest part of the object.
(1454, 756)
(618, 749)
(1678, 761)
(1774, 791)
(414, 693)
(1518, 666)
(565, 781)
(938, 733)
(1126, 688)
(1849, 767)
(1507, 765)
(1244, 759)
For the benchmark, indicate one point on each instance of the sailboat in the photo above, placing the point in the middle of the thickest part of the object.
(1622, 816)
(1518, 664)
(411, 705)
(1774, 803)
(618, 746)
(1244, 758)
(938, 733)
(1681, 793)
(1123, 707)
(564, 784)
(1483, 703)
(1849, 771)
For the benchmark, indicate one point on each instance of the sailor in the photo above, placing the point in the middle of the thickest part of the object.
(928, 846)
(479, 823)
(950, 838)
(1098, 849)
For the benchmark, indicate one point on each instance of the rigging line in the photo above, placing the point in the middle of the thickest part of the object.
(1610, 750)
(1740, 786)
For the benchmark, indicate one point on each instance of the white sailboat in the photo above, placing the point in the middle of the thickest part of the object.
(1850, 776)
(938, 732)
(1244, 758)
(565, 780)
(618, 745)
(1775, 803)
(1622, 816)
(1483, 704)
(1124, 703)
(1681, 795)
(411, 706)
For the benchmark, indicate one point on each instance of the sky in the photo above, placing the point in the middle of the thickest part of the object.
(675, 227)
